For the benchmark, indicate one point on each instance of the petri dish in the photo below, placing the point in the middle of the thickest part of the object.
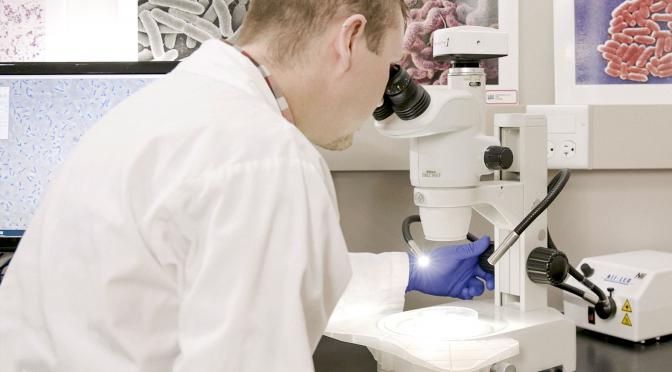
(448, 323)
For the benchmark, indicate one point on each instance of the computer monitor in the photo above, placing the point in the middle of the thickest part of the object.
(45, 108)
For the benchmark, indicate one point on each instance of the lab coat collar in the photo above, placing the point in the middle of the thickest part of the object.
(222, 62)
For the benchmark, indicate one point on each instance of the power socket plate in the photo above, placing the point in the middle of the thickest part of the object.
(568, 135)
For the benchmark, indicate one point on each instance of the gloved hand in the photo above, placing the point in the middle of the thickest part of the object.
(451, 271)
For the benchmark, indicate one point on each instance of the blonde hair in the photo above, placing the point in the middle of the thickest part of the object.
(289, 25)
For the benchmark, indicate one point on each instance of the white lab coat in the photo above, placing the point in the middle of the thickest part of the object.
(192, 229)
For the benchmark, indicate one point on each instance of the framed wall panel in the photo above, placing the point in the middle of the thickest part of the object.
(613, 52)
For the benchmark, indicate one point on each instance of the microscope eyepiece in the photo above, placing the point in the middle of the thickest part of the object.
(402, 96)
(383, 111)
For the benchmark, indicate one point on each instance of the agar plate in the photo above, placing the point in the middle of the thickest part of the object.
(445, 323)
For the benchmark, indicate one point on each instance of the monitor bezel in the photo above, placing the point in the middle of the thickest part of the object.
(86, 68)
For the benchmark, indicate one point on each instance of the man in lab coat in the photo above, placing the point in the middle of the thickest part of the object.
(195, 227)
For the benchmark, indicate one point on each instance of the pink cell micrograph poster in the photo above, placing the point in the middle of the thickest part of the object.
(22, 30)
(426, 16)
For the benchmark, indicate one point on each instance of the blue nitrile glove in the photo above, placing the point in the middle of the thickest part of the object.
(451, 271)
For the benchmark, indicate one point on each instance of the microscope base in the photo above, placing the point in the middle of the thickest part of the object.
(531, 341)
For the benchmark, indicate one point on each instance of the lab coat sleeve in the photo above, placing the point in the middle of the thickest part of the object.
(265, 267)
(377, 286)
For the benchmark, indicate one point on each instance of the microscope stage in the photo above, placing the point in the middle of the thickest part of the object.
(464, 336)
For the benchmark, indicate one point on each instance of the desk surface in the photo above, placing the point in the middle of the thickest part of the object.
(595, 352)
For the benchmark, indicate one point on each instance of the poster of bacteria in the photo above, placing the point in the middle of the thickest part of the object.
(21, 30)
(426, 16)
(613, 51)
(173, 29)
(170, 30)
(623, 42)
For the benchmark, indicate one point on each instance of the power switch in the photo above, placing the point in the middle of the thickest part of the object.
(591, 315)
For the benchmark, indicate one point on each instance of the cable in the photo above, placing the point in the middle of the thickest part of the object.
(7, 250)
(554, 188)
(549, 189)
(551, 243)
(406, 227)
(4, 265)
(408, 237)
(587, 283)
(575, 291)
(605, 307)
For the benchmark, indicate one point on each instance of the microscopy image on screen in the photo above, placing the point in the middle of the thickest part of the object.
(47, 118)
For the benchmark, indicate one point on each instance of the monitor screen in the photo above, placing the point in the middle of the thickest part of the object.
(42, 117)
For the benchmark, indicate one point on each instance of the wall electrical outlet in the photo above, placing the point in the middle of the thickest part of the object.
(568, 135)
(550, 150)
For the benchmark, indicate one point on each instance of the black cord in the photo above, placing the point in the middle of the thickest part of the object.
(587, 283)
(4, 266)
(557, 184)
(406, 227)
(554, 188)
(576, 291)
(551, 243)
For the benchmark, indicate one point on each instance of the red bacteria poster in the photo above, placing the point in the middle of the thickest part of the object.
(613, 51)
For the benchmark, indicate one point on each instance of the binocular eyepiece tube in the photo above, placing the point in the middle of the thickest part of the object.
(402, 97)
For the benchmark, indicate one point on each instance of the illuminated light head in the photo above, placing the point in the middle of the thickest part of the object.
(424, 261)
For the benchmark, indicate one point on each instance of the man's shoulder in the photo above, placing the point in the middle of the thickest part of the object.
(187, 105)
(204, 125)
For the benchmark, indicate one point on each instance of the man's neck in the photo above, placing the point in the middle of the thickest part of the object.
(293, 83)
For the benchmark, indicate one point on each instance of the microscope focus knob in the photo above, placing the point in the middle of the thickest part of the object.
(498, 157)
(547, 266)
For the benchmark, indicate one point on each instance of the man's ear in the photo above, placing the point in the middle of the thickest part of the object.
(348, 39)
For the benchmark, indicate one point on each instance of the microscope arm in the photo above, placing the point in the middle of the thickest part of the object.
(554, 188)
